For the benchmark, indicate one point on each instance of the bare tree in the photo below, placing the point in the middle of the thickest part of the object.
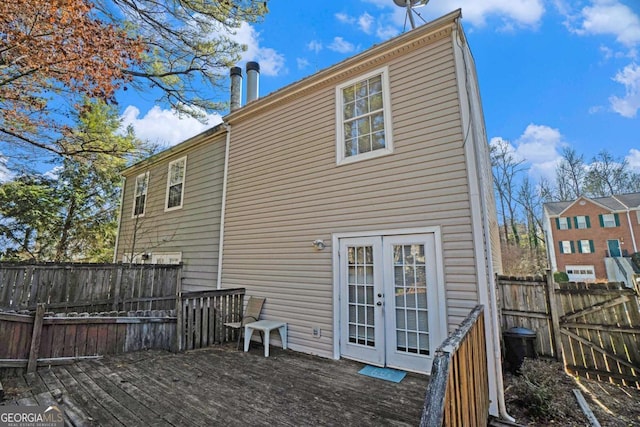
(506, 170)
(608, 176)
(570, 175)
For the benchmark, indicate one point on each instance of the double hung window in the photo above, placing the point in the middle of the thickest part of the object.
(175, 184)
(140, 196)
(363, 118)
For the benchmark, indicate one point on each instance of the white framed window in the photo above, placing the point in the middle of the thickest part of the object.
(363, 118)
(566, 247)
(609, 220)
(582, 222)
(166, 258)
(140, 194)
(175, 184)
(585, 246)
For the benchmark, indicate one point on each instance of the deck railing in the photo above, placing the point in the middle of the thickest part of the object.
(201, 316)
(37, 338)
(458, 392)
(28, 340)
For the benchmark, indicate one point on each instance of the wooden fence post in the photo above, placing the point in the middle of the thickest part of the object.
(555, 318)
(35, 339)
(179, 346)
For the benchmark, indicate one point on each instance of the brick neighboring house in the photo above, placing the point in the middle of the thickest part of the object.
(592, 239)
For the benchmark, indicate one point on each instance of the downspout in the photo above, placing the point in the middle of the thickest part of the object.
(490, 274)
(633, 237)
(115, 249)
(223, 208)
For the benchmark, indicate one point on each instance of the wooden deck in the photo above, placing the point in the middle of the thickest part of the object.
(220, 386)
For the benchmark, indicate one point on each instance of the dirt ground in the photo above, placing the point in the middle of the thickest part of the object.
(542, 396)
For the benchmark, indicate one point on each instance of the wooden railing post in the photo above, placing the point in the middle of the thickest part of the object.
(555, 318)
(32, 365)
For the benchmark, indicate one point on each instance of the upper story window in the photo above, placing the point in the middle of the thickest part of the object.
(609, 220)
(140, 196)
(582, 222)
(563, 223)
(175, 184)
(363, 118)
(566, 247)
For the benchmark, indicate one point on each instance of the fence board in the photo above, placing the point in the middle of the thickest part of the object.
(597, 330)
(88, 287)
(203, 313)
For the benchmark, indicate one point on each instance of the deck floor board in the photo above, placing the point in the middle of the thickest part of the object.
(221, 386)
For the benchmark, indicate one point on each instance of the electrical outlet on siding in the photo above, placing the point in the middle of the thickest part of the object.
(316, 332)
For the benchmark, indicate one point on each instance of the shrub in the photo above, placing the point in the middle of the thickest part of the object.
(560, 277)
(536, 389)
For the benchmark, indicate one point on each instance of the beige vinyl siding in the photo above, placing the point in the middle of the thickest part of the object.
(285, 190)
(195, 228)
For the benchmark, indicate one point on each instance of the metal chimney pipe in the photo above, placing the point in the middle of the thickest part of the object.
(236, 88)
(253, 73)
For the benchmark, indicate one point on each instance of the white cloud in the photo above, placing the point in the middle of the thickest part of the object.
(513, 13)
(385, 32)
(314, 46)
(527, 13)
(302, 63)
(271, 62)
(165, 127)
(341, 45)
(633, 159)
(365, 22)
(610, 17)
(344, 18)
(54, 173)
(539, 147)
(5, 173)
(628, 105)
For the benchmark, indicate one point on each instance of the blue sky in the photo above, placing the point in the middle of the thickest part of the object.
(552, 73)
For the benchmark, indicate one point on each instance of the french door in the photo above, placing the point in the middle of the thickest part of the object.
(389, 300)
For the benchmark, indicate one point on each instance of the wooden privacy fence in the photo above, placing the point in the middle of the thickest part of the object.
(30, 340)
(89, 287)
(525, 302)
(201, 316)
(594, 328)
(600, 330)
(458, 391)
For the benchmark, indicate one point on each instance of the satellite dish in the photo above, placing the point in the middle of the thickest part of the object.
(410, 5)
(413, 3)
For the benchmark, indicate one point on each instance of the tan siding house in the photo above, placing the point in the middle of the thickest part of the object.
(190, 234)
(358, 201)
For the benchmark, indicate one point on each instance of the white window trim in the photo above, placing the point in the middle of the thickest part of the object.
(341, 159)
(582, 246)
(604, 221)
(579, 224)
(155, 256)
(184, 178)
(564, 223)
(146, 195)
